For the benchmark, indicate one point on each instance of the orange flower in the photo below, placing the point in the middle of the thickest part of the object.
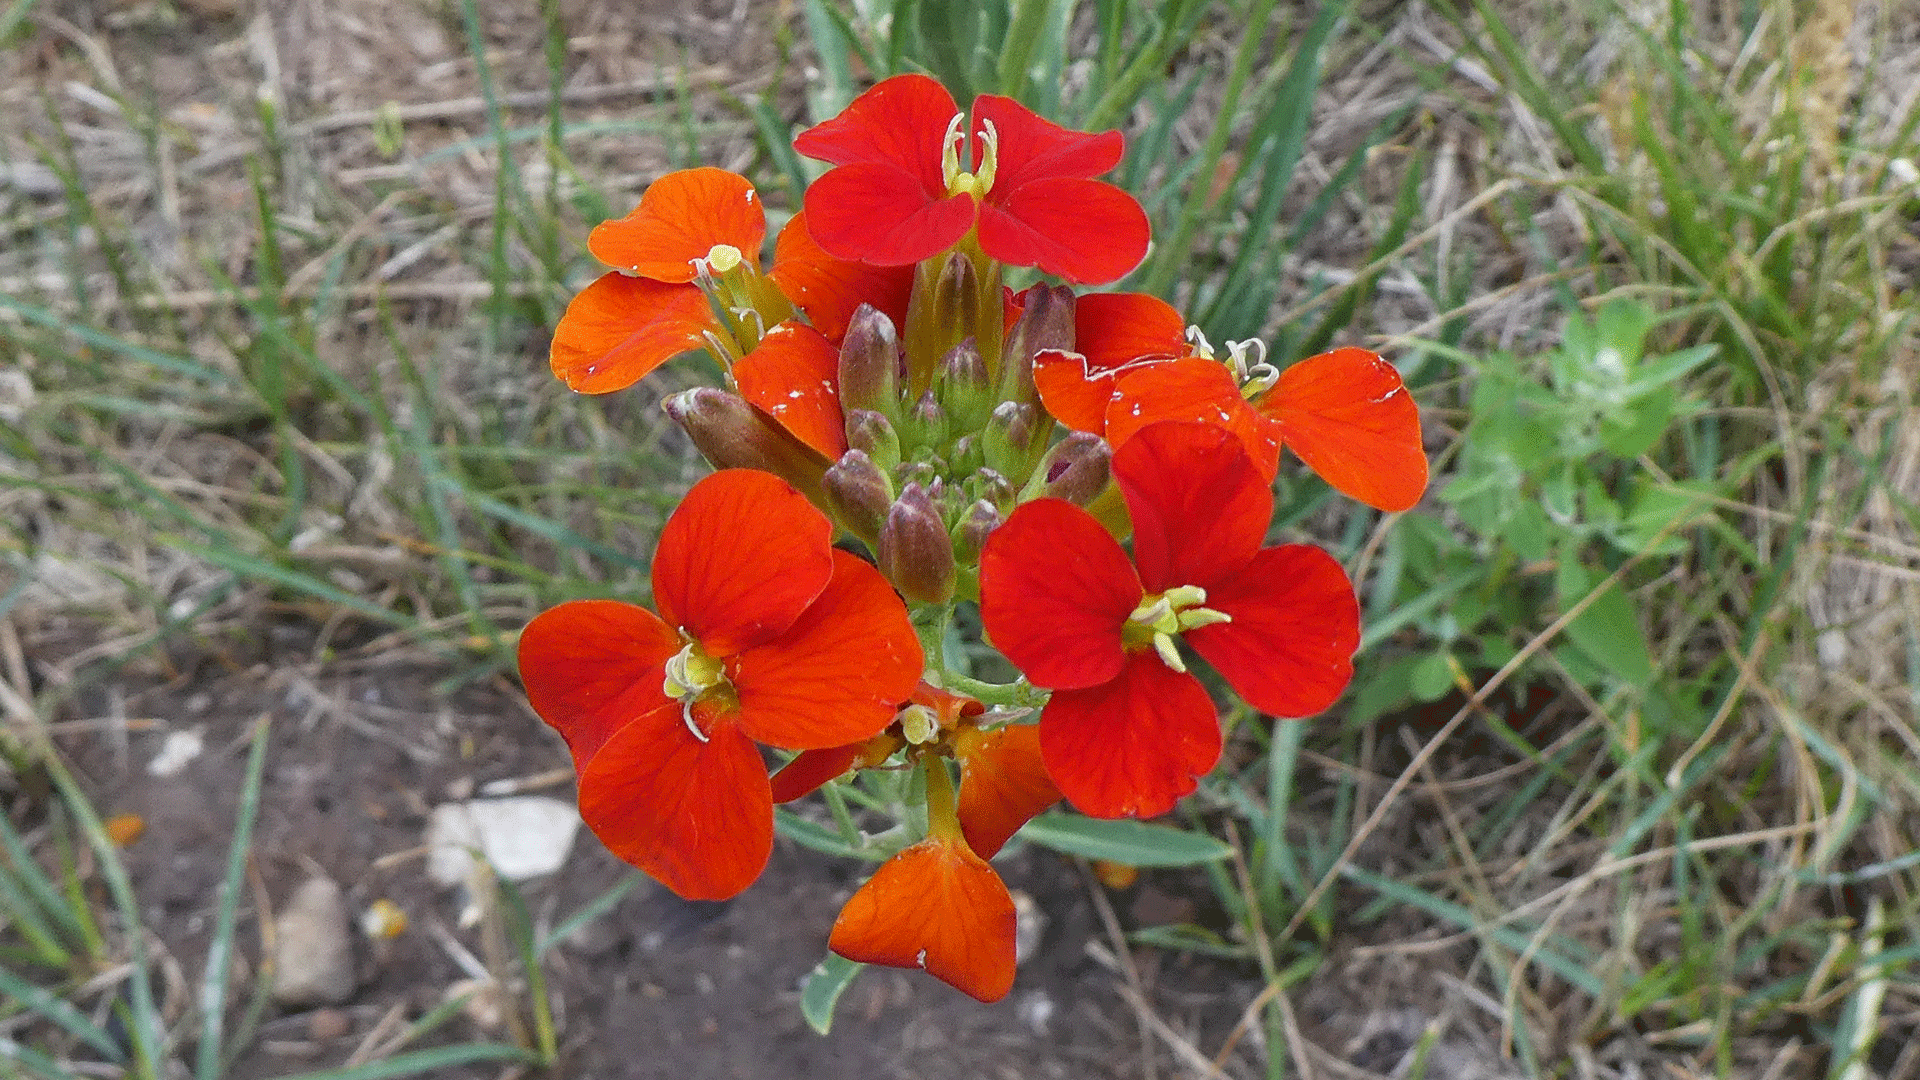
(698, 230)
(1345, 413)
(765, 634)
(937, 906)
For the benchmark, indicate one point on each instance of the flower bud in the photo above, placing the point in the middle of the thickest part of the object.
(963, 386)
(1077, 469)
(859, 494)
(734, 435)
(952, 300)
(996, 489)
(971, 534)
(1046, 322)
(870, 363)
(869, 431)
(915, 551)
(1013, 439)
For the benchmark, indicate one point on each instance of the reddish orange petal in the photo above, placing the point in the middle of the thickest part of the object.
(620, 328)
(793, 375)
(1350, 418)
(1199, 508)
(830, 289)
(1071, 392)
(812, 769)
(680, 218)
(1191, 388)
(1132, 746)
(839, 673)
(1111, 329)
(1055, 590)
(936, 906)
(740, 559)
(696, 815)
(1084, 231)
(1003, 782)
(592, 666)
(1296, 623)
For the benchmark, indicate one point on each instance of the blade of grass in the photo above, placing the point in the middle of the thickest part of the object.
(213, 989)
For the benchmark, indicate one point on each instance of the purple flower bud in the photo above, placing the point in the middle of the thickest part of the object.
(870, 431)
(1077, 469)
(915, 551)
(870, 363)
(732, 434)
(859, 495)
(971, 534)
(1046, 322)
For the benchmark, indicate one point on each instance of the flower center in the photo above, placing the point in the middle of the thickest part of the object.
(960, 182)
(722, 258)
(1159, 619)
(693, 676)
(1246, 359)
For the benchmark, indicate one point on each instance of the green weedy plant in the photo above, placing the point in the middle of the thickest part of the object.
(1549, 497)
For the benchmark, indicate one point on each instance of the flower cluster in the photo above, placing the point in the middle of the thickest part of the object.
(984, 446)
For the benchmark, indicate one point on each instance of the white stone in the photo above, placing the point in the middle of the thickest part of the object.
(522, 837)
(176, 751)
(313, 947)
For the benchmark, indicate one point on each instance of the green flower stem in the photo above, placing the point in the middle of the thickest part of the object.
(1022, 693)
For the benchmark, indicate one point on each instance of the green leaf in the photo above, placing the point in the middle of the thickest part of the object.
(825, 983)
(1607, 631)
(1431, 678)
(424, 1061)
(1132, 843)
(1636, 427)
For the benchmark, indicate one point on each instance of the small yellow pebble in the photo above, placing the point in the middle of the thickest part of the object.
(124, 829)
(383, 920)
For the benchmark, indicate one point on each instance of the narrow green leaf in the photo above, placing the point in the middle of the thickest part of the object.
(424, 1061)
(825, 983)
(1608, 631)
(213, 991)
(1132, 843)
(18, 991)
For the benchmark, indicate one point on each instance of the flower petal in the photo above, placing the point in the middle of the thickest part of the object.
(1003, 783)
(697, 816)
(936, 906)
(1055, 590)
(740, 559)
(812, 769)
(591, 666)
(620, 328)
(1034, 148)
(830, 289)
(1296, 623)
(1085, 231)
(1350, 418)
(1196, 389)
(880, 214)
(839, 673)
(1199, 508)
(793, 375)
(1112, 329)
(1072, 391)
(681, 217)
(900, 122)
(1132, 746)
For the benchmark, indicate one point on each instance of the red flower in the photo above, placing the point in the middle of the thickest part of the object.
(899, 195)
(1003, 781)
(1128, 730)
(765, 634)
(650, 309)
(1345, 413)
(936, 905)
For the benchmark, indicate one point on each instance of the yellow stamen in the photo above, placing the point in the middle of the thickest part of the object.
(1160, 619)
(722, 258)
(690, 675)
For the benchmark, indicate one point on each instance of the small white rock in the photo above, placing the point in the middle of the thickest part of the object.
(313, 947)
(179, 748)
(523, 837)
(1029, 929)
